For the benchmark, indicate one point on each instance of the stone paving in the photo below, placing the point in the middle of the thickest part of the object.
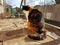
(12, 23)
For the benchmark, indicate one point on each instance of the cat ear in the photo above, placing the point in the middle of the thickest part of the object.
(25, 8)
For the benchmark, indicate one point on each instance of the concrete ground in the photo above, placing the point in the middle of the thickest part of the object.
(13, 32)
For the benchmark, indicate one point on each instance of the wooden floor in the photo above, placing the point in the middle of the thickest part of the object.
(26, 41)
(10, 36)
(17, 38)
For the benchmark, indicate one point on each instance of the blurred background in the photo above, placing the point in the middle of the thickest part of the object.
(49, 8)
